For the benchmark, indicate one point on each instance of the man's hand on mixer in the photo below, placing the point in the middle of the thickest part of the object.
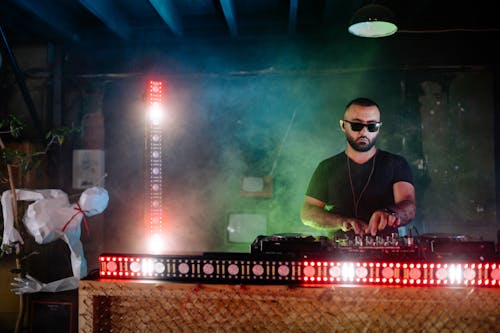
(356, 225)
(380, 220)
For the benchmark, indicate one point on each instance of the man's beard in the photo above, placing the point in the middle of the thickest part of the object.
(361, 147)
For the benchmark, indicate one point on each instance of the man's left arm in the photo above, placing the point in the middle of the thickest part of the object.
(404, 206)
(400, 213)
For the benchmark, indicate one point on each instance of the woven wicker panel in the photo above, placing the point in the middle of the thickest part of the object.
(182, 307)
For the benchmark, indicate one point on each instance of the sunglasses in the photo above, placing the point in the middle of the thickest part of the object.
(371, 127)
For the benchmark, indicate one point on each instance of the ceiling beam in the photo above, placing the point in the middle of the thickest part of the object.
(168, 12)
(53, 15)
(292, 17)
(109, 15)
(230, 15)
(21, 81)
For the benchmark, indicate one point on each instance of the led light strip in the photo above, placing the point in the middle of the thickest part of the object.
(155, 97)
(207, 269)
(243, 268)
(402, 273)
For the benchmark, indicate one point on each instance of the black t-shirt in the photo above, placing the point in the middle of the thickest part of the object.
(331, 184)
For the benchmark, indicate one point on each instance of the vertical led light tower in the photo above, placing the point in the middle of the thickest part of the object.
(154, 181)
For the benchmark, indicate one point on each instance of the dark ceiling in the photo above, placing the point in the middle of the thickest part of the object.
(143, 21)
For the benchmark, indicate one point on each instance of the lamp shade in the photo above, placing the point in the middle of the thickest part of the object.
(373, 21)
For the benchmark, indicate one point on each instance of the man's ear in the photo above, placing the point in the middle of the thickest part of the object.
(341, 123)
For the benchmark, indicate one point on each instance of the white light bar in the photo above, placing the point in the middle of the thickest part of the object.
(155, 174)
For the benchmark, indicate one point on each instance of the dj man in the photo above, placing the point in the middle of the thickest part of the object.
(363, 190)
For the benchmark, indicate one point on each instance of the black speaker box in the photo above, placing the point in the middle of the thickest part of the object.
(54, 312)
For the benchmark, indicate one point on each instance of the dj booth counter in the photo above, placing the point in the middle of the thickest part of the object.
(154, 306)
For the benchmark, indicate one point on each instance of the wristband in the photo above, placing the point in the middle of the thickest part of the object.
(390, 211)
(393, 213)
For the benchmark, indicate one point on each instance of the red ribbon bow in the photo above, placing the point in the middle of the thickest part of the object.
(85, 223)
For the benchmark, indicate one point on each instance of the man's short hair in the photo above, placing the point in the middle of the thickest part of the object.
(363, 101)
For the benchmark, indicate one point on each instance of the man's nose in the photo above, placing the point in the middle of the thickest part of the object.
(364, 130)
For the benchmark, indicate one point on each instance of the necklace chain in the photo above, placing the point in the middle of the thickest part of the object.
(355, 201)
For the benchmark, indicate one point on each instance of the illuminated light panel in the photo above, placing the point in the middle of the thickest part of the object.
(387, 272)
(154, 140)
(247, 269)
(135, 267)
(156, 243)
(283, 270)
(361, 272)
(208, 269)
(183, 268)
(415, 273)
(159, 267)
(335, 271)
(455, 273)
(155, 113)
(309, 271)
(147, 267)
(258, 270)
(411, 274)
(348, 271)
(195, 268)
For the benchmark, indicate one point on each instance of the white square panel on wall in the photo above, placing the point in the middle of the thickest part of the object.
(88, 168)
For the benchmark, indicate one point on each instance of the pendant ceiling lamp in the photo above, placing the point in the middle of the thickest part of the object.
(373, 21)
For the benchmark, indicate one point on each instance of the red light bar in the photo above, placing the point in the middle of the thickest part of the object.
(402, 273)
(240, 268)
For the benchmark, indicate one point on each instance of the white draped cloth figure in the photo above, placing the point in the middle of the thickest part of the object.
(50, 217)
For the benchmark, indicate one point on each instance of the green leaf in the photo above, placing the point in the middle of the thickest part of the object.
(12, 124)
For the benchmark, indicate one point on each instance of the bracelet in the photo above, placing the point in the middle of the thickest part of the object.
(390, 211)
(393, 213)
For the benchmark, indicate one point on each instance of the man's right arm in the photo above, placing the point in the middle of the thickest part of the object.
(315, 216)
